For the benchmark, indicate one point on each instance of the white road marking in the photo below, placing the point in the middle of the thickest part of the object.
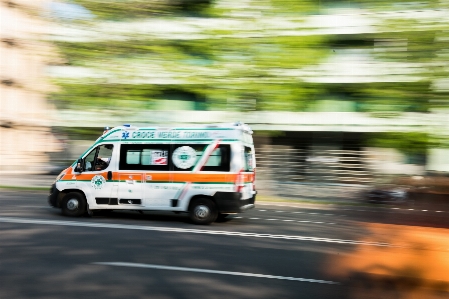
(15, 207)
(286, 220)
(356, 210)
(198, 270)
(186, 230)
(302, 213)
(35, 207)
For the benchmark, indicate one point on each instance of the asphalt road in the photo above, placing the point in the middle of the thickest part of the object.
(278, 250)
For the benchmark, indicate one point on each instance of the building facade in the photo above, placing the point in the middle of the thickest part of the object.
(26, 118)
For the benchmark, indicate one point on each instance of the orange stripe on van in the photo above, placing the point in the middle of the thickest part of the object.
(165, 177)
(202, 177)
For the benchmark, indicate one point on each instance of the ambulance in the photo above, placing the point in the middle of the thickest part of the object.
(206, 171)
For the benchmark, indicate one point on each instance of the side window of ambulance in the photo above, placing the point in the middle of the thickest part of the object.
(185, 156)
(99, 158)
(144, 157)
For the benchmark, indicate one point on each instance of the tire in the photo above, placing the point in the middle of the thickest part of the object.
(73, 204)
(203, 211)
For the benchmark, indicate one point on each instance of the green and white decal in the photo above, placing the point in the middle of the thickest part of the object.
(97, 182)
(184, 157)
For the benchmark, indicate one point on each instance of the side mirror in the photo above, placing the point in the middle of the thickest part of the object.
(79, 166)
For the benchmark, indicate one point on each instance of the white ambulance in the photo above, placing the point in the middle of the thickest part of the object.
(205, 171)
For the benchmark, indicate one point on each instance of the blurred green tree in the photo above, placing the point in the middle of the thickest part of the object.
(242, 67)
(263, 55)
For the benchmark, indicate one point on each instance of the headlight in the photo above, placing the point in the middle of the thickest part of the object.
(60, 176)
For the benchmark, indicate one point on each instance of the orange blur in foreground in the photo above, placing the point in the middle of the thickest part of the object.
(417, 266)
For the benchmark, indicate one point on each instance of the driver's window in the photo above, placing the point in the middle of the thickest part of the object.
(89, 161)
(104, 156)
(99, 158)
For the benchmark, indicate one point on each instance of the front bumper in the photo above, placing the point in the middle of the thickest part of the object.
(53, 196)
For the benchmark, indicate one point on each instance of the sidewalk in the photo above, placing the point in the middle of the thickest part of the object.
(27, 180)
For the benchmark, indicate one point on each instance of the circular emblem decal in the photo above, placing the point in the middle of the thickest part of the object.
(97, 182)
(184, 157)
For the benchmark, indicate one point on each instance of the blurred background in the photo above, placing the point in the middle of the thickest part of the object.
(342, 95)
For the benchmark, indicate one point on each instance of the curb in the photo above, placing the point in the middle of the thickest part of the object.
(21, 188)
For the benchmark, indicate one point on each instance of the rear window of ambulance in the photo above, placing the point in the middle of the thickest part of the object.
(249, 159)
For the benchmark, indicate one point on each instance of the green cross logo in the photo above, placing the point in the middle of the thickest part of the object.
(97, 182)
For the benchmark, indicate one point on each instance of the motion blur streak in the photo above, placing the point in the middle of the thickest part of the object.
(418, 269)
(183, 230)
(161, 267)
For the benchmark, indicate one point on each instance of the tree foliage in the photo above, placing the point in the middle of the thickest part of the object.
(132, 9)
(261, 63)
(264, 55)
(411, 143)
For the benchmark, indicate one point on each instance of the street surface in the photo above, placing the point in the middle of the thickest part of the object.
(277, 250)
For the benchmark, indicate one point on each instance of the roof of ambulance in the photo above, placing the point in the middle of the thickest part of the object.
(233, 126)
(130, 133)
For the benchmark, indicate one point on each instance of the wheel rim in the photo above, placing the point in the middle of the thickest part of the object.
(202, 212)
(72, 204)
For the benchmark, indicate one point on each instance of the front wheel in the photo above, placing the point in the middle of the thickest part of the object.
(74, 204)
(203, 211)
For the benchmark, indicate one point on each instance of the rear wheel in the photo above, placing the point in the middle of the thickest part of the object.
(74, 204)
(203, 211)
